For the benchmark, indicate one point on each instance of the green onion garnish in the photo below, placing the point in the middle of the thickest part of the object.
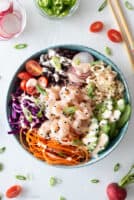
(129, 5)
(41, 91)
(1, 167)
(21, 177)
(2, 150)
(108, 51)
(20, 46)
(95, 181)
(52, 181)
(102, 6)
(69, 110)
(117, 167)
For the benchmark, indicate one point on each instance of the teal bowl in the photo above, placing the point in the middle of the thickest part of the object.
(98, 56)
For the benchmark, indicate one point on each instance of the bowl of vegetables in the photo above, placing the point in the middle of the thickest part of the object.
(68, 105)
(57, 9)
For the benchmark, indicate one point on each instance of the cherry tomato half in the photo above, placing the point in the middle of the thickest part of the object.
(13, 191)
(114, 35)
(23, 85)
(33, 68)
(31, 86)
(96, 26)
(43, 82)
(24, 76)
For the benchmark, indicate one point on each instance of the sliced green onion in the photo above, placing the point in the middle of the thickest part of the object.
(108, 51)
(41, 91)
(56, 63)
(102, 6)
(95, 181)
(2, 150)
(69, 110)
(52, 181)
(1, 167)
(90, 89)
(62, 198)
(129, 5)
(21, 177)
(20, 46)
(117, 167)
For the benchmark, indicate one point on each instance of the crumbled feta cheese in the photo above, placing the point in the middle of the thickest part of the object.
(120, 102)
(89, 139)
(51, 53)
(109, 105)
(94, 126)
(107, 114)
(116, 115)
(103, 122)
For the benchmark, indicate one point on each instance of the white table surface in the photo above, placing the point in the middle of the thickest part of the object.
(39, 34)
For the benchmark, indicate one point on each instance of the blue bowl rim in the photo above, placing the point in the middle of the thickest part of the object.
(98, 55)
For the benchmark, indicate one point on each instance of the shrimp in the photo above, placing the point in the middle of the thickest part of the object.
(44, 130)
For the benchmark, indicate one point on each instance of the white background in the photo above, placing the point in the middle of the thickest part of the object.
(39, 34)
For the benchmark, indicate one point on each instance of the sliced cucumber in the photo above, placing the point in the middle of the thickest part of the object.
(113, 128)
(125, 116)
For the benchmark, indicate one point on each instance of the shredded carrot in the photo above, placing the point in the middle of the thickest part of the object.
(52, 151)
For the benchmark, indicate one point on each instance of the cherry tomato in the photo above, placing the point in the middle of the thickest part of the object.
(96, 26)
(31, 86)
(13, 191)
(33, 68)
(43, 82)
(24, 76)
(23, 85)
(114, 35)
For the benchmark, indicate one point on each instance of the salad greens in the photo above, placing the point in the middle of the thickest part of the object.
(58, 8)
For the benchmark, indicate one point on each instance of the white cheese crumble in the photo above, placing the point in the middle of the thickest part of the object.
(107, 114)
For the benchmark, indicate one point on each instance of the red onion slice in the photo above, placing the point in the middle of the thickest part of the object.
(11, 24)
(82, 57)
(7, 11)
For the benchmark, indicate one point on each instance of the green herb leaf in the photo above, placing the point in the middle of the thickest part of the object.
(102, 6)
(117, 167)
(2, 150)
(41, 91)
(95, 181)
(52, 181)
(1, 167)
(69, 110)
(129, 5)
(108, 51)
(21, 177)
(95, 62)
(20, 46)
(62, 198)
(28, 114)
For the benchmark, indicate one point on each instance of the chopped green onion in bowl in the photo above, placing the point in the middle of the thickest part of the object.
(57, 9)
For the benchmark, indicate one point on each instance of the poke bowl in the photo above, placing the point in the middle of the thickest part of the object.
(68, 105)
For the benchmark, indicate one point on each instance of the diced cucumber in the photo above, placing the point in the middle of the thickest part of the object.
(121, 105)
(102, 143)
(92, 146)
(125, 116)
